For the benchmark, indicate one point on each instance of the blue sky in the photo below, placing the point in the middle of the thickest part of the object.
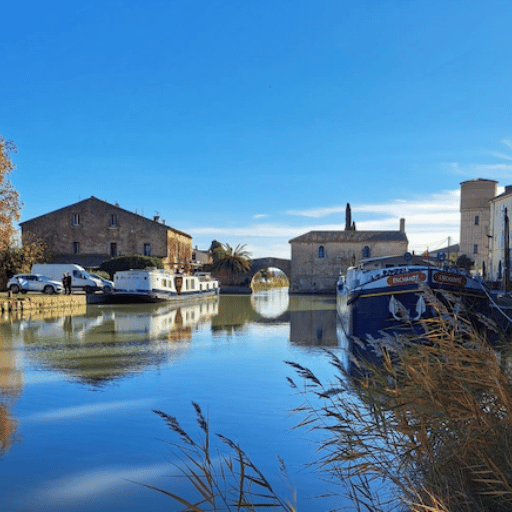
(255, 122)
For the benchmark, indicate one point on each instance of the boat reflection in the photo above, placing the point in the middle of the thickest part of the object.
(112, 342)
(355, 353)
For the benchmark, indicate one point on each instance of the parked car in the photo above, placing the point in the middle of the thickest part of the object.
(33, 283)
(108, 286)
(80, 278)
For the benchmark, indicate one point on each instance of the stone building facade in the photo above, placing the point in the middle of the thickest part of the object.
(475, 197)
(500, 215)
(201, 258)
(318, 257)
(92, 231)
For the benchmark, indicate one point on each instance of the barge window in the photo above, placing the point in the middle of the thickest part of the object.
(75, 219)
(321, 252)
(112, 222)
(147, 249)
(76, 247)
(113, 249)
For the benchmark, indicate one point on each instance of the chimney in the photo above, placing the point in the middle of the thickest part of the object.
(508, 189)
(402, 225)
(156, 218)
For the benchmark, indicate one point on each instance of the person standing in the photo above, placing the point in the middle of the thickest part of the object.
(66, 282)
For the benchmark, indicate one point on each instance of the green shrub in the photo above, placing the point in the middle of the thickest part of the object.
(100, 273)
(132, 261)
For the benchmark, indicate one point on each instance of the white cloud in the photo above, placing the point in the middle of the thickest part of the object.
(447, 200)
(430, 221)
(507, 142)
(485, 171)
(91, 484)
(260, 216)
(317, 212)
(501, 155)
(80, 411)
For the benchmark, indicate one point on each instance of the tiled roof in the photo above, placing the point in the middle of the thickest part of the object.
(350, 237)
(93, 199)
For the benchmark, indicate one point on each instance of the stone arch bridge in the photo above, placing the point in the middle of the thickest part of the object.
(257, 265)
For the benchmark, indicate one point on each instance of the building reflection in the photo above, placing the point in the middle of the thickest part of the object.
(313, 321)
(11, 384)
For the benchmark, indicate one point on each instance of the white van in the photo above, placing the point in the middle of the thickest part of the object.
(80, 279)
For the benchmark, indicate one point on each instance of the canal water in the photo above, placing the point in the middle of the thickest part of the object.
(77, 394)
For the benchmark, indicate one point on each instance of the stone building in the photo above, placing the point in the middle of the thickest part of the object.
(201, 258)
(318, 257)
(500, 208)
(475, 196)
(92, 231)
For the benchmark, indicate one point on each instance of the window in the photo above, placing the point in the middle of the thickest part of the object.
(75, 219)
(475, 249)
(147, 249)
(76, 247)
(366, 252)
(477, 220)
(113, 249)
(112, 221)
(321, 252)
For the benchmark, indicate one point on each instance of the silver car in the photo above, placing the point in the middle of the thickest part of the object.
(33, 283)
(108, 286)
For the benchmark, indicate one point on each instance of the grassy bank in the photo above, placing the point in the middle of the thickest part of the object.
(278, 282)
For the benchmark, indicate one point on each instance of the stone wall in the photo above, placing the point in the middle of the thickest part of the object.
(34, 304)
(95, 227)
(475, 216)
(313, 274)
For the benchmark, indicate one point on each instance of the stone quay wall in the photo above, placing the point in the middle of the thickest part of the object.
(21, 304)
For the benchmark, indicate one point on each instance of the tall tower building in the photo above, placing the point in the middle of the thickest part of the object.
(475, 219)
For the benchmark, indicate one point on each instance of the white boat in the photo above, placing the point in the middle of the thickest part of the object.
(157, 285)
(386, 294)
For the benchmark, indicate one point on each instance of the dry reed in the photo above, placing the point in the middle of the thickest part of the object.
(427, 428)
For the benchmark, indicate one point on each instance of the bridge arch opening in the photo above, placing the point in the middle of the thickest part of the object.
(268, 278)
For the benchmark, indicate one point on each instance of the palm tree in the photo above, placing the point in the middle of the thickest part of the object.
(231, 263)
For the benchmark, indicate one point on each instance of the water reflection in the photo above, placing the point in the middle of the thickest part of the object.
(271, 304)
(101, 344)
(11, 383)
(79, 390)
(313, 321)
(109, 343)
